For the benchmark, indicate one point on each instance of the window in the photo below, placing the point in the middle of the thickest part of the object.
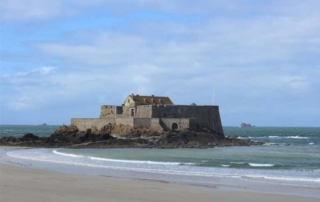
(128, 100)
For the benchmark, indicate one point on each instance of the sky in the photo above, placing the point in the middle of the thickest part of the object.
(258, 60)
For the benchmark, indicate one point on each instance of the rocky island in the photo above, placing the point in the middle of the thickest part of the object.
(140, 122)
(246, 125)
(123, 136)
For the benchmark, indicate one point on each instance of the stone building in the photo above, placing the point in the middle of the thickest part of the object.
(156, 112)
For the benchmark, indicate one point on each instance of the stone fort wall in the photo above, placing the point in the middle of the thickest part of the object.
(158, 117)
(86, 123)
(155, 123)
(198, 116)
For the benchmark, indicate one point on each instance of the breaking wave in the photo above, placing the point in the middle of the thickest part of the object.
(260, 165)
(118, 160)
(135, 161)
(297, 137)
(68, 155)
(279, 137)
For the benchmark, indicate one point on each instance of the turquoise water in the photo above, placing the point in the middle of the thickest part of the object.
(289, 156)
(20, 130)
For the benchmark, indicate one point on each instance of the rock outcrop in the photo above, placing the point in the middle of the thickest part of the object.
(123, 136)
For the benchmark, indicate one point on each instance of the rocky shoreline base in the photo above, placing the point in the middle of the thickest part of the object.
(122, 136)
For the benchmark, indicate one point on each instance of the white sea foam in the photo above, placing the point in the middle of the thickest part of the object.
(160, 171)
(119, 160)
(311, 143)
(243, 137)
(188, 164)
(167, 172)
(260, 165)
(278, 137)
(297, 137)
(270, 143)
(69, 155)
(225, 165)
(241, 163)
(286, 178)
(135, 161)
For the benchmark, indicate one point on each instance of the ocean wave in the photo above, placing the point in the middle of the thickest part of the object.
(167, 172)
(311, 143)
(260, 165)
(286, 178)
(276, 144)
(278, 137)
(296, 137)
(270, 144)
(223, 165)
(243, 137)
(68, 155)
(188, 164)
(136, 161)
(240, 163)
(150, 170)
(120, 160)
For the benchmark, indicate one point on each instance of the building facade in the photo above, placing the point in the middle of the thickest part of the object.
(158, 113)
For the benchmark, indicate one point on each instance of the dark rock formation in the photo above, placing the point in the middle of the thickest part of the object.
(120, 136)
(246, 125)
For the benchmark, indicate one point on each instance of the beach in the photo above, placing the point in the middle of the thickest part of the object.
(21, 183)
(25, 184)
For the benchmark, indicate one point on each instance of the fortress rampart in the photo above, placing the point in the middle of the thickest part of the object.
(159, 117)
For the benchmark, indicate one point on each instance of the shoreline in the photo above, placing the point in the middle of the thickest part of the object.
(28, 184)
(203, 191)
(113, 136)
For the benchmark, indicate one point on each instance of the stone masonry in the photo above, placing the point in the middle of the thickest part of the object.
(155, 112)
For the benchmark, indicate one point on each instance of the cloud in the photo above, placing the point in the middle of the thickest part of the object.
(253, 54)
(256, 55)
(42, 10)
(296, 82)
(20, 10)
(42, 71)
(50, 87)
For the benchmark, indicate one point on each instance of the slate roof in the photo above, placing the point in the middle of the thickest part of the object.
(149, 100)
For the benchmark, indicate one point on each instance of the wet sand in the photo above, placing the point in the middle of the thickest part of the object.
(27, 184)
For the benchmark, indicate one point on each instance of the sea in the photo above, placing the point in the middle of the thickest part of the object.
(289, 159)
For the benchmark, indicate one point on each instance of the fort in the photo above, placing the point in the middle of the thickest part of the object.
(155, 112)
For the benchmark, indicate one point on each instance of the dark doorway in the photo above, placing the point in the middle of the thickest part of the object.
(132, 112)
(174, 126)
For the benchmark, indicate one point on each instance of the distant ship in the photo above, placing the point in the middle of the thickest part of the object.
(246, 125)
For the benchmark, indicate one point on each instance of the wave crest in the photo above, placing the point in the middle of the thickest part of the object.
(119, 160)
(260, 165)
